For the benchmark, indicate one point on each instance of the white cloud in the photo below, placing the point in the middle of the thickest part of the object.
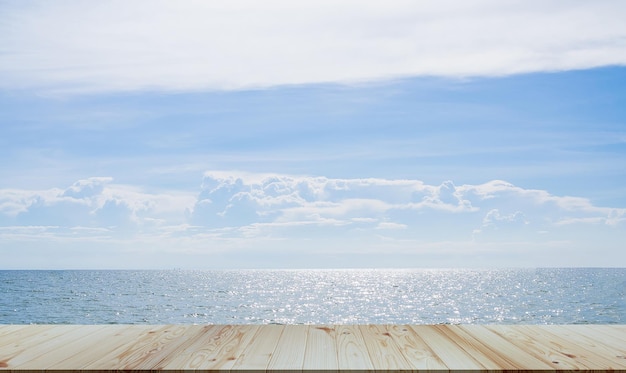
(113, 45)
(392, 226)
(498, 226)
(262, 214)
(509, 202)
(87, 188)
(494, 218)
(243, 198)
(607, 216)
(93, 203)
(233, 200)
(444, 197)
(496, 210)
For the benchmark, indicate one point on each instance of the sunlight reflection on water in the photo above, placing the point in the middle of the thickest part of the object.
(420, 296)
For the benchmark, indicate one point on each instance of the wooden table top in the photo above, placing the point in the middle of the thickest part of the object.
(312, 347)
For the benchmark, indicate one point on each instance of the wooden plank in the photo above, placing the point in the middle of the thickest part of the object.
(446, 349)
(414, 349)
(383, 351)
(197, 350)
(565, 347)
(145, 352)
(590, 353)
(352, 353)
(217, 347)
(175, 345)
(576, 345)
(97, 346)
(603, 346)
(505, 354)
(616, 334)
(477, 349)
(21, 333)
(70, 347)
(170, 343)
(257, 355)
(30, 348)
(108, 356)
(602, 335)
(321, 348)
(443, 348)
(595, 335)
(6, 330)
(538, 348)
(289, 352)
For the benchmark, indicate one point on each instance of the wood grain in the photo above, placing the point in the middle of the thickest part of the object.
(214, 348)
(290, 350)
(383, 350)
(612, 331)
(601, 335)
(259, 351)
(10, 330)
(589, 353)
(321, 348)
(69, 348)
(501, 351)
(19, 334)
(352, 353)
(415, 350)
(43, 340)
(448, 351)
(534, 347)
(262, 348)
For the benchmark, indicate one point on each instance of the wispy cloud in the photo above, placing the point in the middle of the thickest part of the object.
(126, 46)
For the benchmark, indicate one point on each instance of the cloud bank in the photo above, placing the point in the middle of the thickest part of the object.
(238, 213)
(93, 203)
(114, 45)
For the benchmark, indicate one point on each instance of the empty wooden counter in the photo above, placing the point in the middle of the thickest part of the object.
(312, 348)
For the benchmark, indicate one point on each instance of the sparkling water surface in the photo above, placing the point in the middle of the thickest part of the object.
(377, 296)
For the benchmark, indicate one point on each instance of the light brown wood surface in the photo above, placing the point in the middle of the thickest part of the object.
(195, 348)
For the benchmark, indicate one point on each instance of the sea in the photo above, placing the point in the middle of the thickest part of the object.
(344, 296)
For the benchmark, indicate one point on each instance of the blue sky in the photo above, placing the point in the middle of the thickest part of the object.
(315, 136)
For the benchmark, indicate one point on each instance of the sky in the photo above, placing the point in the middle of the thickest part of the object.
(312, 134)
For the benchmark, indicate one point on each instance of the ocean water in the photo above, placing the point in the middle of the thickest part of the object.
(416, 296)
